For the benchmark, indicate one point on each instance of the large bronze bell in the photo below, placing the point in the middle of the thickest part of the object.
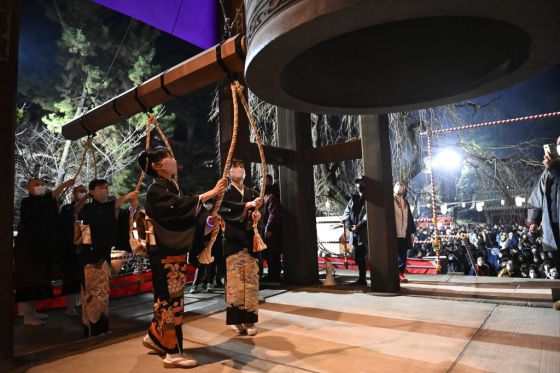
(370, 56)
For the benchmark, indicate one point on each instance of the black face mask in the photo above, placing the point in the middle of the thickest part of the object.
(268, 189)
(361, 188)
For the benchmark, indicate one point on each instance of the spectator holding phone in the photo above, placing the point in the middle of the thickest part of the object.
(545, 201)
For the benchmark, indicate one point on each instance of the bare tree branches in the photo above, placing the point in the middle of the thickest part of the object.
(38, 152)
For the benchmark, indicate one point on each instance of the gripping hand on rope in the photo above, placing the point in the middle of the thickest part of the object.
(62, 188)
(256, 204)
(205, 257)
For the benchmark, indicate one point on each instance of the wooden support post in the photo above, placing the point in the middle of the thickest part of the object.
(298, 202)
(274, 155)
(382, 235)
(345, 151)
(9, 35)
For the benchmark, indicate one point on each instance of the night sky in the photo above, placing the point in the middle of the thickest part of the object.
(37, 44)
(541, 94)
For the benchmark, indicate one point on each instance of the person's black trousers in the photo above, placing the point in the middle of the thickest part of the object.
(402, 250)
(360, 256)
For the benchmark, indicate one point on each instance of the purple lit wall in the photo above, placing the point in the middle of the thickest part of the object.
(192, 20)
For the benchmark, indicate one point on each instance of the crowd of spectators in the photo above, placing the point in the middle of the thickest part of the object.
(503, 251)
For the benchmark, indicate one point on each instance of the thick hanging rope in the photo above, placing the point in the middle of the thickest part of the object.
(88, 145)
(152, 123)
(205, 257)
(94, 161)
(258, 243)
(143, 174)
(138, 245)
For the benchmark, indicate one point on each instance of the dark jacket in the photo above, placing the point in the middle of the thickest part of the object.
(38, 226)
(355, 214)
(103, 227)
(544, 199)
(272, 212)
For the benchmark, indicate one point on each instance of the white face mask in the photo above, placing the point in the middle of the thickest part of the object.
(39, 190)
(237, 174)
(169, 165)
(398, 189)
(557, 149)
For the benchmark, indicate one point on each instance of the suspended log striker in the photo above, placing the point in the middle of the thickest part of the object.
(197, 72)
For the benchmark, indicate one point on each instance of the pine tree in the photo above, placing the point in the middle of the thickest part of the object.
(100, 54)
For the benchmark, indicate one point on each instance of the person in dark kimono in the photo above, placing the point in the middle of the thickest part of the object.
(218, 254)
(205, 274)
(406, 228)
(174, 217)
(242, 268)
(36, 248)
(70, 261)
(355, 220)
(98, 228)
(545, 199)
(272, 231)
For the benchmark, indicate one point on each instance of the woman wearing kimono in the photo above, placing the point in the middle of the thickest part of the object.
(242, 269)
(174, 217)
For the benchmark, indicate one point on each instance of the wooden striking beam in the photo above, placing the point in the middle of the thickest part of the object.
(196, 72)
(345, 151)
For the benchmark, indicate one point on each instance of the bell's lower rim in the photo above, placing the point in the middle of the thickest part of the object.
(315, 62)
